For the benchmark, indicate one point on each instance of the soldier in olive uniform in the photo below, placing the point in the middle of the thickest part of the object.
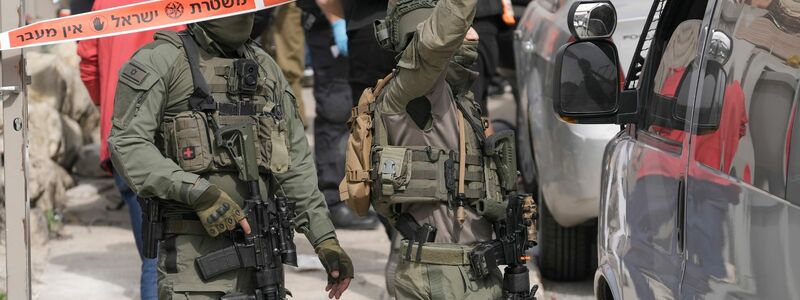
(164, 149)
(428, 133)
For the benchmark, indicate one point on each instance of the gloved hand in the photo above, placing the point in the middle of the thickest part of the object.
(338, 266)
(340, 35)
(218, 212)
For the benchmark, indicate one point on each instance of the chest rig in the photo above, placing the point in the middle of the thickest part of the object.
(227, 93)
(391, 172)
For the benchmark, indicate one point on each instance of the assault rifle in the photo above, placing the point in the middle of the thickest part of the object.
(515, 235)
(270, 244)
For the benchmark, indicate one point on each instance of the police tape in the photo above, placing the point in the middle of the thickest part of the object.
(131, 18)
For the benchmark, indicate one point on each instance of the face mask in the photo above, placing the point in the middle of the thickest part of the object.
(229, 33)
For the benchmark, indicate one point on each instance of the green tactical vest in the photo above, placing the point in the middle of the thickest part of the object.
(191, 137)
(421, 165)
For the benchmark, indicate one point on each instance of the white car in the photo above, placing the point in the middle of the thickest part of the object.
(560, 162)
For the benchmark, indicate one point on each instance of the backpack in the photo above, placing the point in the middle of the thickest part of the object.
(355, 189)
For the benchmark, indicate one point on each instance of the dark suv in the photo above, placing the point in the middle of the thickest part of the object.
(700, 190)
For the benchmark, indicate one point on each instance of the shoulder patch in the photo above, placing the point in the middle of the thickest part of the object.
(134, 73)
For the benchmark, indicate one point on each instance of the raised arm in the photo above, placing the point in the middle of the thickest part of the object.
(427, 55)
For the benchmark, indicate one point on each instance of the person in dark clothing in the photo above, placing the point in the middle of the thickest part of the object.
(80, 6)
(333, 98)
(495, 26)
(368, 61)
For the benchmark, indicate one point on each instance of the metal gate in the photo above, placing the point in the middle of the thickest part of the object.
(13, 80)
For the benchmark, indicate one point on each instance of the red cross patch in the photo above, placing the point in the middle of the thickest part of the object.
(188, 152)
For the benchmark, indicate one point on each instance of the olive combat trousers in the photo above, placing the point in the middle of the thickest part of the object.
(179, 278)
(431, 281)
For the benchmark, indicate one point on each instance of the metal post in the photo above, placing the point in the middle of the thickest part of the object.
(15, 139)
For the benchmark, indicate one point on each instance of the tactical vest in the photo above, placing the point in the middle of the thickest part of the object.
(392, 162)
(192, 138)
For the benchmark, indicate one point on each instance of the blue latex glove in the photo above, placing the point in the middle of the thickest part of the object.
(340, 36)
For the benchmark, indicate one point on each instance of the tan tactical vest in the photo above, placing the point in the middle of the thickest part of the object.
(398, 167)
(191, 137)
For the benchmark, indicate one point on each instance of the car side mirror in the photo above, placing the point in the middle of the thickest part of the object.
(713, 93)
(592, 19)
(588, 82)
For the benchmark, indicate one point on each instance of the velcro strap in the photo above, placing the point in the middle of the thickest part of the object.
(221, 70)
(429, 156)
(473, 176)
(438, 253)
(382, 83)
(238, 109)
(184, 227)
(218, 87)
(424, 174)
(474, 160)
(363, 109)
(416, 192)
(421, 155)
(358, 176)
(473, 193)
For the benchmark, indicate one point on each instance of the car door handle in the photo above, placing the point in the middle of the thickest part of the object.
(681, 214)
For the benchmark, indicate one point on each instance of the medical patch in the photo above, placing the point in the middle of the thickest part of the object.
(188, 153)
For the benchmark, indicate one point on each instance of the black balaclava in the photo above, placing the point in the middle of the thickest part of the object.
(229, 33)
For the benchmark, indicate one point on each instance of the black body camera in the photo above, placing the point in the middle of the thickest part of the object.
(246, 77)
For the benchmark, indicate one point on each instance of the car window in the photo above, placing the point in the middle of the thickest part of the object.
(750, 97)
(668, 77)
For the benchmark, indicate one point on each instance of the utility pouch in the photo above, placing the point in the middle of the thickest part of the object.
(218, 262)
(502, 149)
(355, 188)
(409, 175)
(483, 259)
(394, 170)
(279, 146)
(191, 146)
(224, 260)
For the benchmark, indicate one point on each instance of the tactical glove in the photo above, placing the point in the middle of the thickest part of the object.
(334, 258)
(217, 211)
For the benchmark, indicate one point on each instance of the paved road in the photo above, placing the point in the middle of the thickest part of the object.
(96, 258)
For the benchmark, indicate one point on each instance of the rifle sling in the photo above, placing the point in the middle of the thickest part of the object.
(201, 99)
